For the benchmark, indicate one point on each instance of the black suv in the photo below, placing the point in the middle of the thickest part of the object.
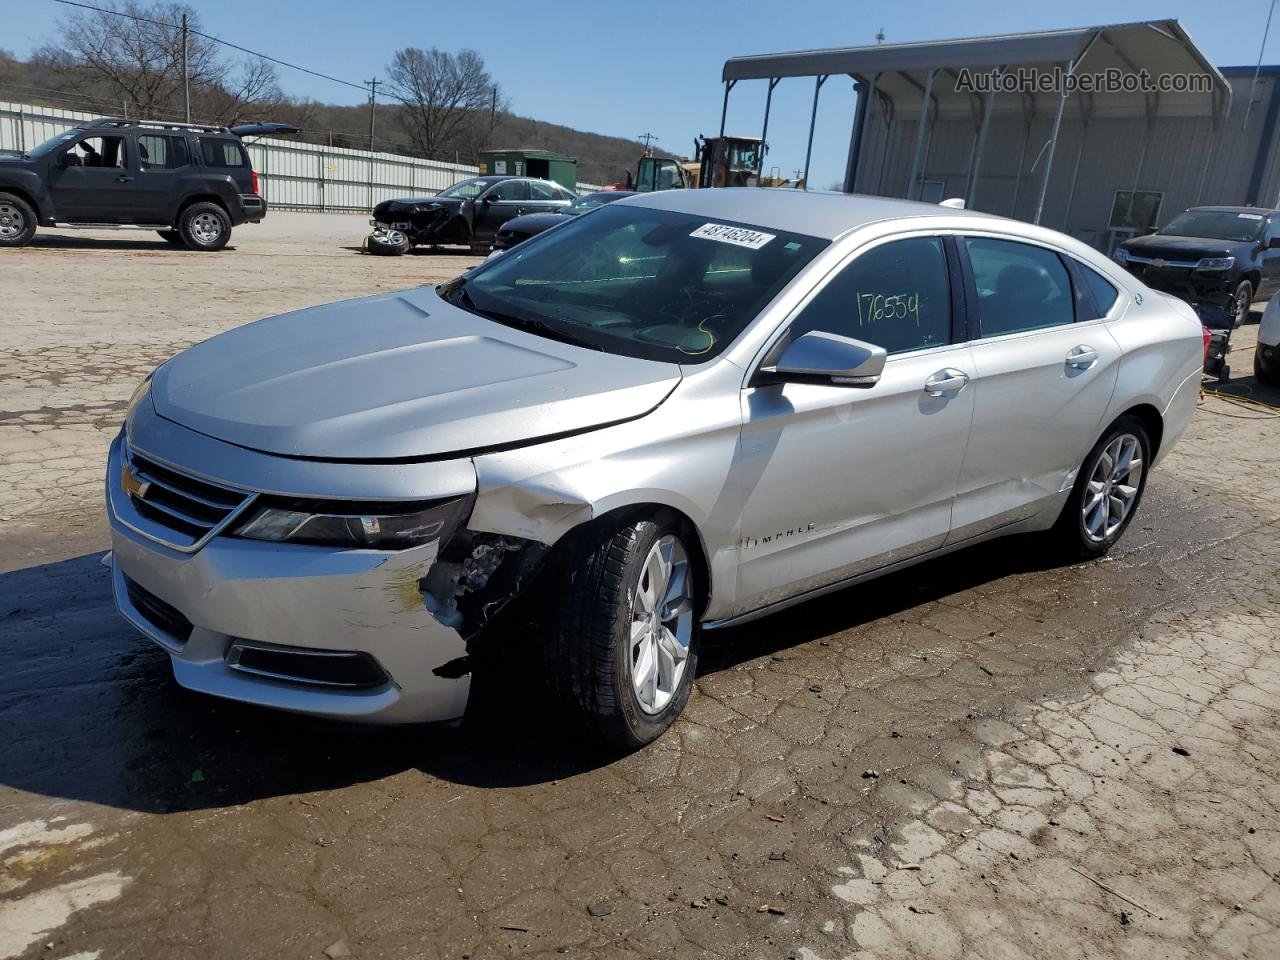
(1206, 252)
(189, 183)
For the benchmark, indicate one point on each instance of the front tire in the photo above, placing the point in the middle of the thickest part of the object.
(17, 221)
(1107, 491)
(387, 243)
(205, 227)
(623, 652)
(1243, 296)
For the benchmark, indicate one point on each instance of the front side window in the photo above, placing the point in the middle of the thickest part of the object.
(100, 152)
(640, 282)
(896, 296)
(1020, 286)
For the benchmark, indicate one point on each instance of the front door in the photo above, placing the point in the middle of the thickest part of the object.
(91, 181)
(1044, 382)
(502, 202)
(841, 480)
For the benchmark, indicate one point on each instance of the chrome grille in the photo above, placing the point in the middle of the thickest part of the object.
(190, 509)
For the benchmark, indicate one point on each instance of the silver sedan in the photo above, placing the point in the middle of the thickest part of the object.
(678, 412)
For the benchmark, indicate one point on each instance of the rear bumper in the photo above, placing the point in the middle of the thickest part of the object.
(255, 208)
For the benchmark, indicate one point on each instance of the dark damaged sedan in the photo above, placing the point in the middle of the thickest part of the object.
(468, 213)
(531, 224)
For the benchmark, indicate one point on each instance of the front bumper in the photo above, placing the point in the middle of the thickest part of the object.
(229, 594)
(1186, 283)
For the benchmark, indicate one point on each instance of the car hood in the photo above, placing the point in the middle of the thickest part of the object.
(1182, 248)
(399, 376)
(534, 222)
(412, 205)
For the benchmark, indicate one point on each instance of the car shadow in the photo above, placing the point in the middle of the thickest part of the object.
(129, 241)
(91, 711)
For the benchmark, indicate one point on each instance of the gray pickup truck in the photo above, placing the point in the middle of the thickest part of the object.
(190, 183)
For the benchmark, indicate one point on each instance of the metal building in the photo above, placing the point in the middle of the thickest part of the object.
(1098, 165)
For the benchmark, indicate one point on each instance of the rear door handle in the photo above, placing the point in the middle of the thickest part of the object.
(949, 380)
(1082, 357)
(124, 179)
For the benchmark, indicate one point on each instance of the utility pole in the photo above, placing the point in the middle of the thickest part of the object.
(648, 138)
(373, 93)
(186, 73)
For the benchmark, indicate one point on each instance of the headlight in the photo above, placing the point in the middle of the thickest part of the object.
(139, 392)
(1121, 255)
(1216, 263)
(356, 526)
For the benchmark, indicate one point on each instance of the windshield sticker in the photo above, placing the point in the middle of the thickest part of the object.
(1249, 216)
(738, 236)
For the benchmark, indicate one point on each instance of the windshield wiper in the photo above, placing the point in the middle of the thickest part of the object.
(460, 297)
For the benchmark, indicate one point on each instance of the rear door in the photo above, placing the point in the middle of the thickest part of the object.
(92, 180)
(1046, 367)
(162, 160)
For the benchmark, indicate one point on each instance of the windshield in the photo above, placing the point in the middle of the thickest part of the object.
(640, 282)
(54, 142)
(466, 190)
(1215, 225)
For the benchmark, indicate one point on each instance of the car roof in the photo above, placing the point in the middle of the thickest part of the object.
(1262, 210)
(816, 213)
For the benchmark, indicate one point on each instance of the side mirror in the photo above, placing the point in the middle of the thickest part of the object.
(69, 159)
(829, 358)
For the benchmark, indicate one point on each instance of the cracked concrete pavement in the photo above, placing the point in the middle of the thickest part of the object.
(985, 757)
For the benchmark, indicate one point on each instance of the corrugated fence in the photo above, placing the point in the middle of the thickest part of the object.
(292, 175)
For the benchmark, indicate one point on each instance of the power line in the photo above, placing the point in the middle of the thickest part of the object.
(210, 37)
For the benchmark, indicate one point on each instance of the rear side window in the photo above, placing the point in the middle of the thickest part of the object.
(1020, 286)
(896, 296)
(222, 153)
(158, 152)
(1104, 292)
(539, 190)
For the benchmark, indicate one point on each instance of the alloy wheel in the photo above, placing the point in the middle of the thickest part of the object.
(661, 624)
(12, 222)
(1113, 488)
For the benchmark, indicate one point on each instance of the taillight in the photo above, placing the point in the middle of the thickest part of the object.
(1206, 335)
(253, 185)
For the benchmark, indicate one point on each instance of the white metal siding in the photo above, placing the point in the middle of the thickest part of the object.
(292, 175)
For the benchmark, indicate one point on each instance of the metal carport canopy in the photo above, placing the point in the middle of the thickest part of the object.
(923, 78)
(900, 69)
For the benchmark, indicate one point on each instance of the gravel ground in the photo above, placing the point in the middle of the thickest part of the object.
(984, 757)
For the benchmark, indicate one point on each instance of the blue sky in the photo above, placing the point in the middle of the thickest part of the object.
(652, 66)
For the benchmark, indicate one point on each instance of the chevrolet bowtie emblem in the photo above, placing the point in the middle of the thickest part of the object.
(132, 485)
(1157, 263)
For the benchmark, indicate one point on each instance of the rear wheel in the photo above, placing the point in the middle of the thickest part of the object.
(623, 653)
(204, 226)
(17, 221)
(1243, 297)
(1107, 491)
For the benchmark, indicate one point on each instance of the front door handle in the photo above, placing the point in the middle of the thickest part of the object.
(949, 380)
(123, 179)
(1082, 357)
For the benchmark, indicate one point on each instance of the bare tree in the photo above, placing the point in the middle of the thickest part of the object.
(444, 95)
(131, 53)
